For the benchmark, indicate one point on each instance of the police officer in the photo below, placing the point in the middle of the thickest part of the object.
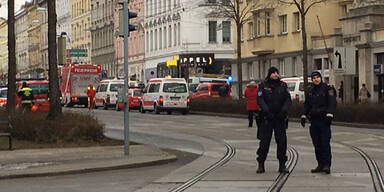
(274, 101)
(319, 106)
(26, 97)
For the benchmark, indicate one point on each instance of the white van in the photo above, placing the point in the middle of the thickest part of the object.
(106, 93)
(165, 94)
(296, 87)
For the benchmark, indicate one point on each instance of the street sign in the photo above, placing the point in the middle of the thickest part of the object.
(78, 53)
(378, 69)
(344, 61)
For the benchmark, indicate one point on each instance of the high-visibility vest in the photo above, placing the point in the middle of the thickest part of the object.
(27, 95)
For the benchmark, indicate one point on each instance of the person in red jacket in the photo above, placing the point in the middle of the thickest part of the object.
(91, 92)
(252, 106)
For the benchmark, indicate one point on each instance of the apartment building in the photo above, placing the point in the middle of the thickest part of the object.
(273, 38)
(43, 12)
(102, 31)
(3, 47)
(185, 29)
(34, 39)
(80, 25)
(21, 30)
(63, 12)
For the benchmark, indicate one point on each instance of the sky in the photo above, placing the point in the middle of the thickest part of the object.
(4, 7)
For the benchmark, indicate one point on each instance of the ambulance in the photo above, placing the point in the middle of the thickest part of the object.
(74, 81)
(165, 94)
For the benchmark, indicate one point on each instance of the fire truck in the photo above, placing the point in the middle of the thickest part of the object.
(75, 79)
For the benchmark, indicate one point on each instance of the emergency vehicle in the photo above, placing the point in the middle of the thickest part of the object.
(40, 89)
(106, 93)
(75, 79)
(296, 87)
(165, 94)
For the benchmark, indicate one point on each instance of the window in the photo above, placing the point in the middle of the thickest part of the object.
(226, 31)
(283, 24)
(147, 48)
(267, 23)
(154, 88)
(241, 33)
(326, 63)
(203, 87)
(178, 34)
(258, 25)
(165, 37)
(160, 39)
(250, 71)
(151, 40)
(282, 67)
(170, 36)
(175, 35)
(317, 64)
(115, 87)
(294, 60)
(251, 34)
(175, 88)
(211, 1)
(212, 31)
(155, 39)
(297, 21)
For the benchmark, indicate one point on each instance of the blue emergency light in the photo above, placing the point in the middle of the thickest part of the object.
(230, 78)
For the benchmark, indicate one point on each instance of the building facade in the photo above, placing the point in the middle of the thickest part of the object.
(22, 56)
(273, 37)
(34, 39)
(102, 30)
(3, 49)
(80, 24)
(183, 28)
(136, 43)
(43, 12)
(63, 12)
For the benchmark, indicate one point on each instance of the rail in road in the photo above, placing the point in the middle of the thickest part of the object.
(377, 178)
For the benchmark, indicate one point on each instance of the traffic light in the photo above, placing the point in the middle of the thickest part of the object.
(131, 27)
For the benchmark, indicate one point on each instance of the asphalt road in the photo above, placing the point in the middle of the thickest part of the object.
(206, 137)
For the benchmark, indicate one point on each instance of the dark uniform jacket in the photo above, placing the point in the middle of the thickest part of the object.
(319, 101)
(274, 98)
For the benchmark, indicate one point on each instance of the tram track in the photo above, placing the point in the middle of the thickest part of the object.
(293, 156)
(377, 178)
(230, 153)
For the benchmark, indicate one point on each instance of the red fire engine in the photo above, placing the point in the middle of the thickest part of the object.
(75, 79)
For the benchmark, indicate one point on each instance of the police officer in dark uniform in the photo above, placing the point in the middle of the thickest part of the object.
(319, 107)
(26, 97)
(274, 101)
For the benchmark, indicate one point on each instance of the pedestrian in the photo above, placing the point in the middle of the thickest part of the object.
(364, 94)
(91, 92)
(274, 101)
(223, 91)
(253, 108)
(341, 91)
(319, 107)
(26, 97)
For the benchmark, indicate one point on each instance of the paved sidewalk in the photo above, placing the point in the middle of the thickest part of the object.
(47, 162)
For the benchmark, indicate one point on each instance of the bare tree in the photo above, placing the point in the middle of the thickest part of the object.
(231, 9)
(11, 58)
(303, 6)
(54, 94)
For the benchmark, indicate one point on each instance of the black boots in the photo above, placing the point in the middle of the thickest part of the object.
(318, 169)
(326, 169)
(261, 168)
(283, 168)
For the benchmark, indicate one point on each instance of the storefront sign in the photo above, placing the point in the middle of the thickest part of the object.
(199, 60)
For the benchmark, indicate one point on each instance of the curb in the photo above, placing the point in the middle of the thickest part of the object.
(243, 116)
(169, 159)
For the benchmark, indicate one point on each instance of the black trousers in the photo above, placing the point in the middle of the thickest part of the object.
(320, 132)
(257, 116)
(268, 126)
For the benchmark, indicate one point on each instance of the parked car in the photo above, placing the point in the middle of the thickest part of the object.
(296, 87)
(3, 96)
(165, 94)
(135, 96)
(210, 90)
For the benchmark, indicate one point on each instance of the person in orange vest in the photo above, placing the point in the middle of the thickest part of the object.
(91, 92)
